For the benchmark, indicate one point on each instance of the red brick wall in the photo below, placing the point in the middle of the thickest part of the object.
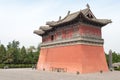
(95, 31)
(82, 58)
(83, 30)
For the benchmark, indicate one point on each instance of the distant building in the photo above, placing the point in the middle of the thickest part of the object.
(73, 44)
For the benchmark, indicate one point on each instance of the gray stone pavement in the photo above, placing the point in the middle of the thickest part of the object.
(29, 74)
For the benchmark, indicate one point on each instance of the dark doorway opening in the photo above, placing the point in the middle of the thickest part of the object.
(52, 37)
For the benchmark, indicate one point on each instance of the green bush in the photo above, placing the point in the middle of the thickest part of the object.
(2, 65)
(16, 65)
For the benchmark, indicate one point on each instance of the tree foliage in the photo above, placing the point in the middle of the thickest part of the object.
(2, 53)
(115, 57)
(13, 54)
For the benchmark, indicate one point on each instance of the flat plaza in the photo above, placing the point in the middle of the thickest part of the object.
(29, 74)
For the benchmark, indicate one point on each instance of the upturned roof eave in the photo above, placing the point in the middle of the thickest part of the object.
(38, 32)
(45, 28)
(102, 22)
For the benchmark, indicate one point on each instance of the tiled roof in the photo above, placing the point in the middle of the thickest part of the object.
(85, 13)
(64, 20)
(68, 18)
(42, 30)
(45, 28)
(72, 16)
(39, 32)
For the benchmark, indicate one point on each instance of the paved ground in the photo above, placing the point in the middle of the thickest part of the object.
(29, 74)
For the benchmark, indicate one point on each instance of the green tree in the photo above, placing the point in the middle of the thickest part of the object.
(31, 49)
(32, 54)
(12, 55)
(36, 54)
(115, 57)
(22, 55)
(2, 53)
(9, 58)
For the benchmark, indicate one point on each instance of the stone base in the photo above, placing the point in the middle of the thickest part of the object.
(75, 58)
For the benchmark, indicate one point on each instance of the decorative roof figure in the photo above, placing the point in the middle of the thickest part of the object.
(68, 13)
(59, 18)
(88, 6)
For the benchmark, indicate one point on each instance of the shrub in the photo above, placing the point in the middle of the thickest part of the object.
(17, 65)
(2, 65)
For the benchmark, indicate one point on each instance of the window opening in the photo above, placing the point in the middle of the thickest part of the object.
(52, 37)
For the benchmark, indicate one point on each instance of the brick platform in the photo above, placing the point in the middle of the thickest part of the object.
(75, 58)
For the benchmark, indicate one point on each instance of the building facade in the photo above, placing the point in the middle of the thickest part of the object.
(73, 44)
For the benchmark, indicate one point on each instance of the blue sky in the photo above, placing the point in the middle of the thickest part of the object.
(19, 18)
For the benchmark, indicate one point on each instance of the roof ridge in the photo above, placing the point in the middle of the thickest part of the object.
(73, 14)
(68, 15)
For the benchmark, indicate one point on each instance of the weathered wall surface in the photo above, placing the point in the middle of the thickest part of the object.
(82, 58)
(68, 33)
(90, 31)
